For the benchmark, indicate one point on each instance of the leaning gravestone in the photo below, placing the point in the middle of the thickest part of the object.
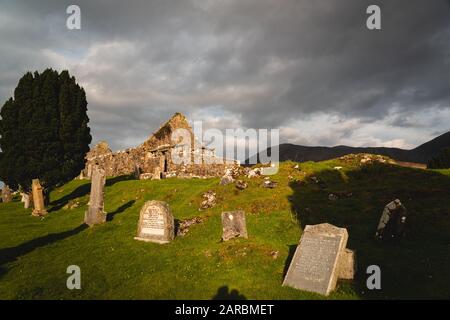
(233, 225)
(38, 199)
(95, 214)
(315, 266)
(156, 223)
(6, 194)
(392, 221)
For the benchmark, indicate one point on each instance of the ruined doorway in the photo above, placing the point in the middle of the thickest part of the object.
(166, 164)
(163, 164)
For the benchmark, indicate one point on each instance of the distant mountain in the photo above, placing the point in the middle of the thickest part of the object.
(421, 154)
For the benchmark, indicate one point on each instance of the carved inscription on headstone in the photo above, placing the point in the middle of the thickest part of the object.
(156, 223)
(314, 266)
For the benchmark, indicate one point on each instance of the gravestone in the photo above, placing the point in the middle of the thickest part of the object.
(227, 178)
(347, 265)
(6, 194)
(156, 223)
(95, 214)
(38, 199)
(392, 221)
(156, 174)
(233, 225)
(89, 171)
(25, 199)
(315, 265)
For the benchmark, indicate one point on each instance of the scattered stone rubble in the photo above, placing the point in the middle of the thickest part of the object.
(253, 173)
(184, 226)
(339, 195)
(318, 181)
(366, 158)
(227, 178)
(241, 185)
(209, 200)
(270, 184)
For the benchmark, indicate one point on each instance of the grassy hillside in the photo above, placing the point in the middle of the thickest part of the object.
(34, 252)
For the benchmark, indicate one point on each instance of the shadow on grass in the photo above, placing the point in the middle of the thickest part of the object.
(111, 181)
(413, 268)
(224, 293)
(289, 257)
(77, 193)
(83, 190)
(11, 254)
(110, 216)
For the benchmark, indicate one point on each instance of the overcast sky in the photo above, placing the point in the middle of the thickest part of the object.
(310, 68)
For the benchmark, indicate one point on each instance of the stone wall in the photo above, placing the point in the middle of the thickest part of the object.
(155, 153)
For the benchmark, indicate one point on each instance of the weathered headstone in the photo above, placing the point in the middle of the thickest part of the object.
(227, 178)
(315, 265)
(95, 214)
(38, 199)
(25, 199)
(6, 194)
(347, 265)
(156, 174)
(233, 225)
(392, 221)
(89, 171)
(156, 223)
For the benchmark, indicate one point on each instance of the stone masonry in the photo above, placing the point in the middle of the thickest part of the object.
(154, 156)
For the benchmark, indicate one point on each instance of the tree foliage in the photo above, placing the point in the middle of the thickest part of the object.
(441, 161)
(44, 131)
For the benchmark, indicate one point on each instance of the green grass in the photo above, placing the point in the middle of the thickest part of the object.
(34, 252)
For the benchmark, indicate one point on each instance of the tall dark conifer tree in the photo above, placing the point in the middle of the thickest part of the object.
(44, 131)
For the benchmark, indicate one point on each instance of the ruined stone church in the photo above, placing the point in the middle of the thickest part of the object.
(152, 159)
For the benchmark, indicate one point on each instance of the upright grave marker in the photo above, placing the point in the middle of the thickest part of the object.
(95, 214)
(156, 174)
(233, 225)
(347, 265)
(6, 194)
(38, 199)
(156, 223)
(26, 199)
(317, 263)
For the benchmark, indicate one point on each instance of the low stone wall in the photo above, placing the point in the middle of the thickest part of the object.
(131, 160)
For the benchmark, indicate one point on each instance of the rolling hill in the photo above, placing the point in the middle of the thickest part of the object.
(421, 154)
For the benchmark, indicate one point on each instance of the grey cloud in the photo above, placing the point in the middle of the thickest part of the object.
(265, 63)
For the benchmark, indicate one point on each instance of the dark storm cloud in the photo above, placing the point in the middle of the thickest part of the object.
(258, 63)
